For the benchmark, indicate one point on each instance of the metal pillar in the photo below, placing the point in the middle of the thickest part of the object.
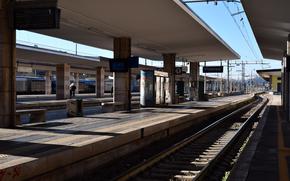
(228, 77)
(243, 77)
(204, 79)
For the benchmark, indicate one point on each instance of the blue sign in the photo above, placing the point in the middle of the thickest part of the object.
(118, 66)
(123, 65)
(133, 62)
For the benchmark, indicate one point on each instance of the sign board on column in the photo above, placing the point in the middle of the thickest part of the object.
(213, 69)
(123, 65)
(118, 66)
(133, 62)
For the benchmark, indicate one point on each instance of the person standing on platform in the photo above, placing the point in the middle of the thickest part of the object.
(72, 89)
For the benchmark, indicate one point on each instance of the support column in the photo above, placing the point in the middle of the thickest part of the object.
(121, 89)
(77, 82)
(48, 82)
(100, 82)
(286, 88)
(158, 90)
(62, 81)
(283, 73)
(169, 67)
(194, 80)
(162, 91)
(7, 68)
(287, 80)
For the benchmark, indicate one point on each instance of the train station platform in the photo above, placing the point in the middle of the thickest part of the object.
(267, 154)
(71, 147)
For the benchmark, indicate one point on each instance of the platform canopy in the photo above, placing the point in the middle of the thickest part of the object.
(270, 21)
(155, 27)
(40, 56)
(266, 74)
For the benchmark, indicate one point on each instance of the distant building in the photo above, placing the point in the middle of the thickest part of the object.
(273, 77)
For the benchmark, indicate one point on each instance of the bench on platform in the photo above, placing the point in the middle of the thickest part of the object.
(36, 115)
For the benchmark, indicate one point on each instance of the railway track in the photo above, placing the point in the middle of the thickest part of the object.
(205, 155)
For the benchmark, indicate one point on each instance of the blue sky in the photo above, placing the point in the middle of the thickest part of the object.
(216, 16)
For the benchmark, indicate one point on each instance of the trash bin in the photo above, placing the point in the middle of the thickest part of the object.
(75, 108)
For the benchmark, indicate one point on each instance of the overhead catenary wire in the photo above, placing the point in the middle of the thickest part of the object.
(246, 30)
(240, 29)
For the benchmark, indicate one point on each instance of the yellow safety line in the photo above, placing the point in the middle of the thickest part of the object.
(283, 151)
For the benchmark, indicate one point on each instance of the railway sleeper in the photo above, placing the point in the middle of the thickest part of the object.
(194, 154)
(207, 148)
(180, 165)
(168, 176)
(180, 162)
(174, 171)
(186, 159)
(184, 178)
(145, 179)
(193, 157)
(222, 141)
(206, 152)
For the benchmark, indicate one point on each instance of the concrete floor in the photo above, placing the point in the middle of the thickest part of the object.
(31, 150)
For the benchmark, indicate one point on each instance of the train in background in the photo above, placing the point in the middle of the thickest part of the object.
(30, 85)
(26, 85)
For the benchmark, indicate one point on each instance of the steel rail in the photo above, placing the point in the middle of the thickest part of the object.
(204, 172)
(157, 158)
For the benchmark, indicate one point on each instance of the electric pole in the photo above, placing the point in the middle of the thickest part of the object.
(228, 77)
